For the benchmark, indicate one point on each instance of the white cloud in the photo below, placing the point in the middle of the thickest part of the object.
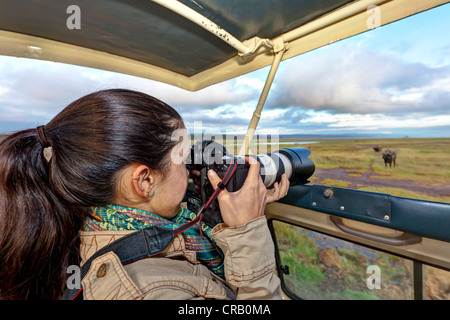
(357, 80)
(410, 98)
(349, 121)
(254, 83)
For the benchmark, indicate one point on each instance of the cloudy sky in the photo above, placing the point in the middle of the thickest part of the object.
(391, 81)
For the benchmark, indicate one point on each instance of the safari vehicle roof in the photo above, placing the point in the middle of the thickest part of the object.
(187, 43)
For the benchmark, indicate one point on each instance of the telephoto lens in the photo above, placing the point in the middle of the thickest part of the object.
(206, 155)
(294, 162)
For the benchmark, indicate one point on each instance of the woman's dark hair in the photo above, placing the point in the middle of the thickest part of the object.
(43, 204)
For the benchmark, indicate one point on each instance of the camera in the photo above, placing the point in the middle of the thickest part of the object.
(206, 155)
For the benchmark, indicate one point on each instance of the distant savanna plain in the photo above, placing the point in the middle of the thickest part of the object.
(422, 168)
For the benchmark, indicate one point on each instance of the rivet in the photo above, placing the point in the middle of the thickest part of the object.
(386, 217)
(314, 204)
(342, 208)
(328, 193)
(101, 271)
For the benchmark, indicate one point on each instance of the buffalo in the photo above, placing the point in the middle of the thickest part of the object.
(389, 156)
(377, 148)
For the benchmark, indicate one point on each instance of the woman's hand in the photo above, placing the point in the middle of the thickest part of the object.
(279, 190)
(249, 202)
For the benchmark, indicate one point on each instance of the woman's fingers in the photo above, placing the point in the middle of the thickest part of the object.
(237, 208)
(278, 191)
(249, 201)
(214, 179)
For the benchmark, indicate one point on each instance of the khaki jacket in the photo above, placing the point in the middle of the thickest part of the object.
(177, 274)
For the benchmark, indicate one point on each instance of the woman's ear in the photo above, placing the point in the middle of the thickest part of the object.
(143, 181)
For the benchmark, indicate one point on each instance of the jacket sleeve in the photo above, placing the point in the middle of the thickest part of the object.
(249, 259)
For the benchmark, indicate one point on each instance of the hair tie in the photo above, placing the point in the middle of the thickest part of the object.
(42, 137)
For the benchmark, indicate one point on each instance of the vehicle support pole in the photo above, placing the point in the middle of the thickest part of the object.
(205, 23)
(279, 49)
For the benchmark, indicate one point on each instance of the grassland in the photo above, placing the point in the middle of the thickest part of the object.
(312, 278)
(422, 168)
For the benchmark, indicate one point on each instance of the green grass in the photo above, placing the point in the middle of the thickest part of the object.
(348, 294)
(309, 278)
(420, 160)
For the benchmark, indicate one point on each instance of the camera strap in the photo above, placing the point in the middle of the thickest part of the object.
(220, 186)
(138, 245)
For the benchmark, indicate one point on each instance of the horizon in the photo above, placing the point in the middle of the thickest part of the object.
(291, 136)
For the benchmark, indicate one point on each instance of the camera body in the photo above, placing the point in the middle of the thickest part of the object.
(206, 155)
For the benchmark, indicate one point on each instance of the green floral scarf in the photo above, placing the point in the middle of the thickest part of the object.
(113, 217)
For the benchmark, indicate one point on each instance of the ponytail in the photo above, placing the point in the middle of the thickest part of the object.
(49, 175)
(38, 229)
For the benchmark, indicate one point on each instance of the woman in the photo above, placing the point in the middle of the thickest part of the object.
(102, 169)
